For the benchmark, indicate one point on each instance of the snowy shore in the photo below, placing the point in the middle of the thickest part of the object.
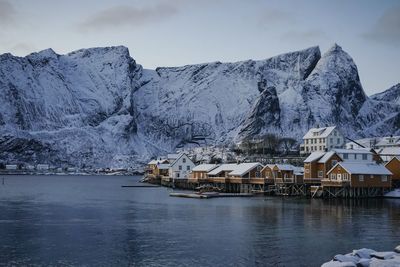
(366, 258)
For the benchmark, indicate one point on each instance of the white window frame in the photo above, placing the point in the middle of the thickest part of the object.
(384, 178)
(320, 174)
(361, 177)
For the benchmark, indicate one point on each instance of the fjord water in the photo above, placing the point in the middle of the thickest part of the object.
(93, 221)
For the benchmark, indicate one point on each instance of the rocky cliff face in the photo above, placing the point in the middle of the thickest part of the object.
(98, 107)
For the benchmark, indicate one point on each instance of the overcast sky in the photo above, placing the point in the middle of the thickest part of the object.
(179, 32)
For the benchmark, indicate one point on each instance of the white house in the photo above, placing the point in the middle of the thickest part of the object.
(375, 142)
(181, 167)
(321, 139)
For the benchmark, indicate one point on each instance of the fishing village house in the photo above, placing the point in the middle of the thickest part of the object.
(181, 167)
(352, 179)
(200, 172)
(318, 164)
(321, 140)
(269, 173)
(157, 167)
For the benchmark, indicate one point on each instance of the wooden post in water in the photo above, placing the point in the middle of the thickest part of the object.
(3, 180)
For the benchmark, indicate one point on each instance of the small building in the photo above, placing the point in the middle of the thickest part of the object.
(152, 168)
(318, 164)
(321, 140)
(200, 172)
(394, 167)
(287, 173)
(220, 174)
(246, 171)
(42, 167)
(181, 167)
(358, 175)
(269, 174)
(11, 167)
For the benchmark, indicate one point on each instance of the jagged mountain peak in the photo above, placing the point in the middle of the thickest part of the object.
(97, 106)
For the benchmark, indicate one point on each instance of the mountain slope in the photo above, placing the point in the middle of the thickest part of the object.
(97, 107)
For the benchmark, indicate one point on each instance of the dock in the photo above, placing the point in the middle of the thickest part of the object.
(141, 186)
(209, 195)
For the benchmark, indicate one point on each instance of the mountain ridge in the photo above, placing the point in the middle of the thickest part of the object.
(98, 107)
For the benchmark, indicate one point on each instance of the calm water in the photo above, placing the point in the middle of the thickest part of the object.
(92, 221)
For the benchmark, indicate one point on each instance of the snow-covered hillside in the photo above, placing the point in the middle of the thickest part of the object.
(98, 107)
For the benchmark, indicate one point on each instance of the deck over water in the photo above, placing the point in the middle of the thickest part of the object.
(93, 221)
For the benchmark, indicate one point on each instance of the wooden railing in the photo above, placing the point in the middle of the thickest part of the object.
(335, 183)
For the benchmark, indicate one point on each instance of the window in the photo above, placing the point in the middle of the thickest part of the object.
(307, 148)
(307, 170)
(333, 176)
(371, 176)
(177, 175)
(184, 160)
(334, 162)
(339, 176)
(345, 156)
(180, 167)
(334, 133)
(306, 141)
(258, 174)
(331, 140)
(320, 174)
(355, 156)
(384, 178)
(188, 168)
(361, 178)
(345, 176)
(338, 141)
(320, 147)
(364, 156)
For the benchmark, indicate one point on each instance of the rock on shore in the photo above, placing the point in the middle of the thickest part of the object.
(366, 258)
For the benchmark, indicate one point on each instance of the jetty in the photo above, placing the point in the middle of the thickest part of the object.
(208, 195)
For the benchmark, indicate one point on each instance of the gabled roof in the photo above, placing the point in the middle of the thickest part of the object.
(243, 168)
(268, 166)
(285, 167)
(204, 167)
(322, 132)
(180, 155)
(223, 167)
(327, 156)
(363, 168)
(314, 156)
(394, 158)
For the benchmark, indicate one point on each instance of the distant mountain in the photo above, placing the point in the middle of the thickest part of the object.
(97, 107)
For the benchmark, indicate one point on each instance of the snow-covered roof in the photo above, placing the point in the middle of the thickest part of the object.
(389, 151)
(269, 166)
(180, 155)
(314, 156)
(173, 156)
(156, 161)
(163, 166)
(286, 167)
(204, 167)
(299, 170)
(326, 157)
(352, 151)
(223, 167)
(388, 141)
(243, 168)
(363, 168)
(319, 132)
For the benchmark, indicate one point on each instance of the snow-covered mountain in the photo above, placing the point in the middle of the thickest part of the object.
(98, 107)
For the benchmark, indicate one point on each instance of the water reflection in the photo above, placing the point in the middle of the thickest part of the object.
(92, 221)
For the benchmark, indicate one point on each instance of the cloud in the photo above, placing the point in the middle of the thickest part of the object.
(23, 49)
(306, 36)
(128, 16)
(7, 13)
(387, 28)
